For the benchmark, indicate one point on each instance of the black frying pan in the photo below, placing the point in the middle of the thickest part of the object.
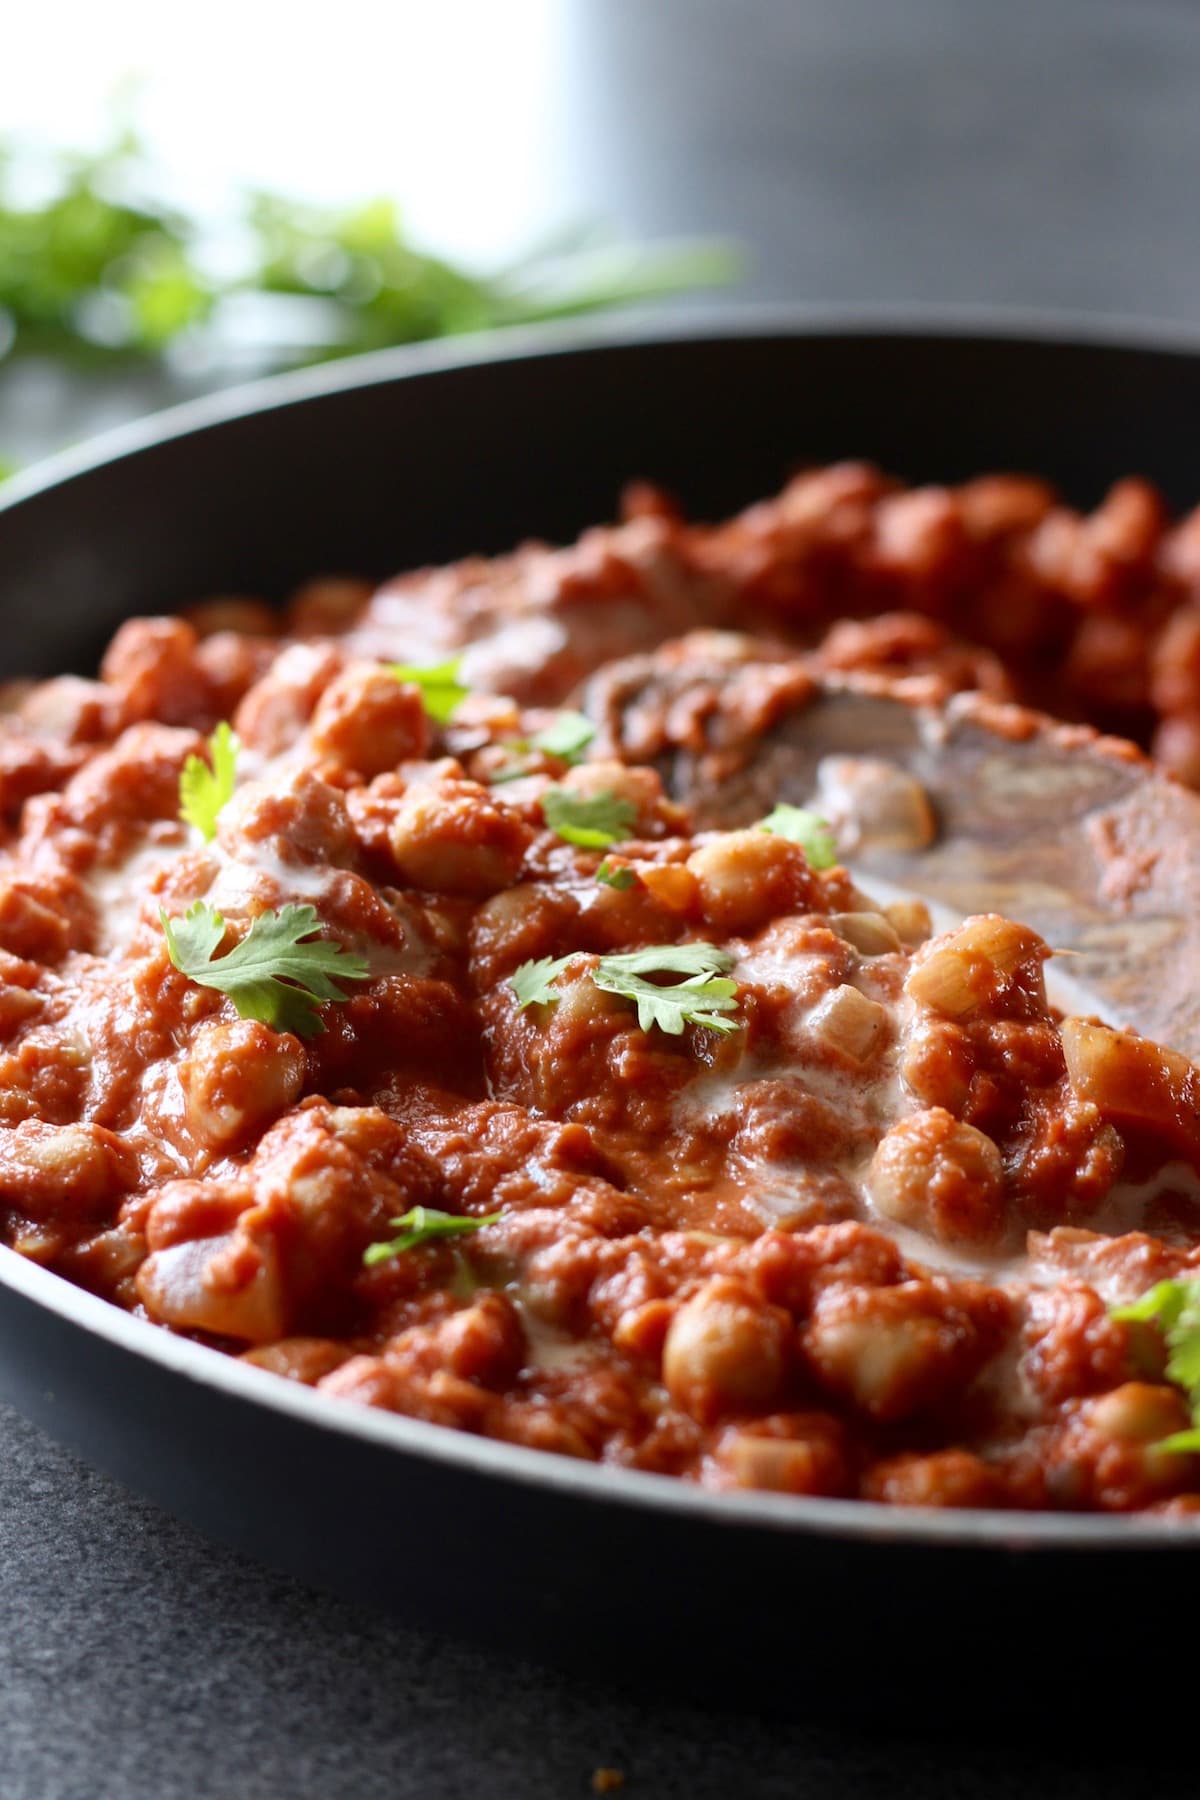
(426, 455)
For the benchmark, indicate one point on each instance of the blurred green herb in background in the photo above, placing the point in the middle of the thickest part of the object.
(96, 267)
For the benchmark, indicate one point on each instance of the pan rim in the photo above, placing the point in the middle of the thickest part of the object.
(790, 1515)
(1043, 328)
(783, 1514)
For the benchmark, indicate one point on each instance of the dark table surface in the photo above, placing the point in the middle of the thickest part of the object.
(866, 150)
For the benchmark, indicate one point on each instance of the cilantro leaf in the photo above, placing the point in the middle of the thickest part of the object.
(701, 958)
(531, 982)
(593, 821)
(1164, 1302)
(204, 787)
(701, 999)
(1174, 1306)
(421, 1225)
(615, 875)
(566, 737)
(695, 1001)
(1183, 1342)
(806, 829)
(441, 689)
(1186, 1443)
(272, 975)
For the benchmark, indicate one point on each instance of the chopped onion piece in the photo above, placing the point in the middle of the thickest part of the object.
(869, 932)
(910, 920)
(965, 971)
(1133, 1081)
(849, 1022)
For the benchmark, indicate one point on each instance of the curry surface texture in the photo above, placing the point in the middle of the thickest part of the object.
(804, 1196)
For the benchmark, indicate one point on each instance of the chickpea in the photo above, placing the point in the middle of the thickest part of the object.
(1139, 1412)
(484, 1342)
(230, 664)
(184, 1210)
(135, 779)
(938, 1062)
(454, 839)
(276, 710)
(582, 1013)
(528, 1422)
(239, 1076)
(303, 1359)
(31, 925)
(726, 1350)
(152, 665)
(790, 1454)
(304, 820)
(641, 1331)
(746, 878)
(515, 926)
(944, 1478)
(368, 721)
(940, 1176)
(70, 708)
(894, 1352)
(1109, 1451)
(186, 1286)
(17, 1006)
(43, 1167)
(642, 788)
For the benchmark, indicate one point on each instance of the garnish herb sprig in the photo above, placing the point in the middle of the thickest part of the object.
(423, 1225)
(205, 787)
(566, 737)
(705, 996)
(590, 821)
(615, 875)
(442, 692)
(1174, 1306)
(277, 973)
(805, 828)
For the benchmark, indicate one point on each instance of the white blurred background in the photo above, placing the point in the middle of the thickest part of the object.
(910, 153)
(455, 107)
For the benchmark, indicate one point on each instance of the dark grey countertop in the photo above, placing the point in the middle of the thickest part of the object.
(884, 150)
(138, 1659)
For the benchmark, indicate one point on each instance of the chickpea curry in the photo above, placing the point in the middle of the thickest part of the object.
(373, 1009)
